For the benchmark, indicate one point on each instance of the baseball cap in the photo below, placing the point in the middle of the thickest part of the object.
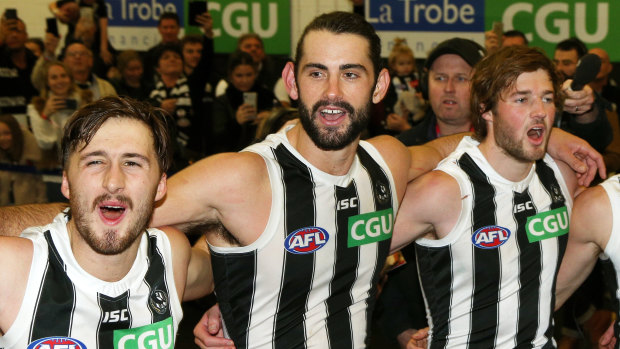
(469, 50)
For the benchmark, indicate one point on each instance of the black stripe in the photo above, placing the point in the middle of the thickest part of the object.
(234, 277)
(530, 267)
(155, 278)
(346, 263)
(115, 315)
(54, 309)
(382, 191)
(435, 270)
(487, 273)
(551, 185)
(299, 206)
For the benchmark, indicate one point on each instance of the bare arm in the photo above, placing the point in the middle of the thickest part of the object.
(17, 218)
(590, 227)
(578, 154)
(199, 272)
(424, 158)
(15, 258)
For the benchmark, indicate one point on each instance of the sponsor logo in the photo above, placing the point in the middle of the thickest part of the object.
(346, 203)
(523, 206)
(370, 227)
(159, 335)
(491, 236)
(158, 300)
(57, 343)
(115, 316)
(382, 193)
(546, 225)
(306, 240)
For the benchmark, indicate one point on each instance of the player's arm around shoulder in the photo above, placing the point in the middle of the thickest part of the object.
(15, 258)
(590, 227)
(198, 194)
(192, 266)
(397, 157)
(432, 204)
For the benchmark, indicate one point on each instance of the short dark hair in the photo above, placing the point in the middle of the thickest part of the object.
(344, 23)
(238, 58)
(516, 34)
(498, 72)
(246, 36)
(192, 39)
(572, 44)
(172, 47)
(86, 121)
(17, 148)
(169, 15)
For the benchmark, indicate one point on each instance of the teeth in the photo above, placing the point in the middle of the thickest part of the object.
(331, 111)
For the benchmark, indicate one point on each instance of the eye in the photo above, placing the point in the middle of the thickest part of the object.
(350, 75)
(548, 99)
(94, 162)
(521, 100)
(130, 163)
(317, 74)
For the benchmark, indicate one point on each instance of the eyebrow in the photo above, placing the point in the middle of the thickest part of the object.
(125, 155)
(342, 67)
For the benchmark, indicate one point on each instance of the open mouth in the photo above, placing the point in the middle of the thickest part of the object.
(332, 116)
(112, 213)
(535, 134)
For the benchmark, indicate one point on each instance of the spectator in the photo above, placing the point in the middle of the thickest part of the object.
(403, 104)
(234, 120)
(131, 81)
(95, 13)
(19, 185)
(16, 64)
(79, 59)
(168, 27)
(267, 75)
(36, 46)
(514, 38)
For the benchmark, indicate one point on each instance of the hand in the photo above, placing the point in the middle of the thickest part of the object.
(491, 41)
(206, 24)
(262, 116)
(208, 332)
(106, 55)
(577, 154)
(608, 340)
(419, 340)
(169, 104)
(577, 102)
(53, 104)
(398, 123)
(245, 113)
(50, 43)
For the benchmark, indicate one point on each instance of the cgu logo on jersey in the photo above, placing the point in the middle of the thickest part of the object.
(370, 227)
(159, 335)
(491, 236)
(306, 240)
(57, 343)
(546, 225)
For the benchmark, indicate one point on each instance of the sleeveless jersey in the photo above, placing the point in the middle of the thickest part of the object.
(310, 279)
(490, 282)
(612, 249)
(63, 304)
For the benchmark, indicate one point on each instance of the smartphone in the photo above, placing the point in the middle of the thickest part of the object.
(196, 8)
(10, 13)
(498, 29)
(70, 103)
(52, 26)
(250, 98)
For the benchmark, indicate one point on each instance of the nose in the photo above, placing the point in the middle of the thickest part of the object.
(538, 108)
(333, 87)
(449, 85)
(114, 179)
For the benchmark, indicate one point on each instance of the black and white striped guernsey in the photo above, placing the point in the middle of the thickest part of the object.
(490, 282)
(612, 249)
(63, 300)
(310, 279)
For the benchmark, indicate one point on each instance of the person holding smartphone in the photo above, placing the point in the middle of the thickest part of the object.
(237, 112)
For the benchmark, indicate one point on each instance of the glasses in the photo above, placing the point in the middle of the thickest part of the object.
(79, 54)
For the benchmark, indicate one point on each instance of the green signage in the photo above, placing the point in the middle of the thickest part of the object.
(159, 335)
(546, 225)
(370, 227)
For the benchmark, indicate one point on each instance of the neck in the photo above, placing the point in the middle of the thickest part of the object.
(133, 83)
(503, 163)
(19, 58)
(450, 129)
(334, 162)
(109, 268)
(188, 70)
(170, 79)
(81, 76)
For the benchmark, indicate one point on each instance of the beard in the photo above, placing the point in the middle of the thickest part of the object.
(506, 140)
(111, 241)
(334, 138)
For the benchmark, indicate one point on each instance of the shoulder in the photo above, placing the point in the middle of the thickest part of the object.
(569, 176)
(396, 156)
(592, 216)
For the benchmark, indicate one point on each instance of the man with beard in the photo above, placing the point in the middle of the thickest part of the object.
(96, 276)
(492, 229)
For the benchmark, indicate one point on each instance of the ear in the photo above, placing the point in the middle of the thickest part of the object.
(487, 115)
(161, 188)
(288, 76)
(64, 186)
(381, 87)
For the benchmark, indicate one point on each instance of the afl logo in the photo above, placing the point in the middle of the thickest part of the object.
(56, 342)
(306, 240)
(491, 236)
